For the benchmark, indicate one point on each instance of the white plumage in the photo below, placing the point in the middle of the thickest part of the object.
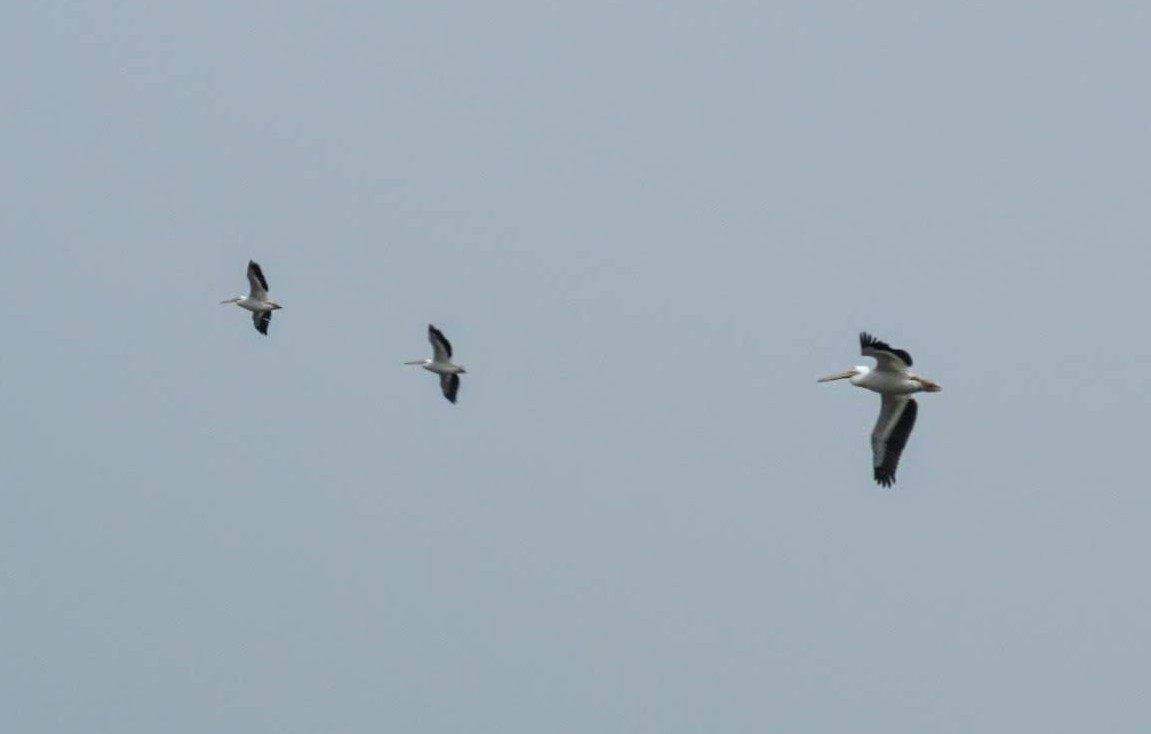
(441, 363)
(893, 379)
(257, 299)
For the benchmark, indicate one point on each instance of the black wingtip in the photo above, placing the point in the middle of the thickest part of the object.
(435, 335)
(884, 479)
(255, 269)
(262, 319)
(867, 340)
(450, 386)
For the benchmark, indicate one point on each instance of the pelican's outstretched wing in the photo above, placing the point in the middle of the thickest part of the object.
(450, 384)
(261, 319)
(441, 347)
(888, 358)
(259, 286)
(892, 429)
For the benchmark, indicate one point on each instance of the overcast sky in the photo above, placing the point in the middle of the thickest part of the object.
(647, 228)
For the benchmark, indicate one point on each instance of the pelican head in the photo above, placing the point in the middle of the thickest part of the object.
(420, 362)
(857, 371)
(237, 299)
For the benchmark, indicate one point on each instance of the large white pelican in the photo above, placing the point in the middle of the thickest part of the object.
(892, 379)
(441, 363)
(257, 299)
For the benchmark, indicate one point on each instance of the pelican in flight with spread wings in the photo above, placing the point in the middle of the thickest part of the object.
(257, 299)
(441, 363)
(892, 379)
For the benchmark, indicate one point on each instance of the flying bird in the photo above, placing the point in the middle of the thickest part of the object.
(441, 363)
(257, 299)
(892, 379)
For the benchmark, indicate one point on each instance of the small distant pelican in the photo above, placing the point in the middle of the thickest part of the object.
(892, 379)
(257, 299)
(441, 363)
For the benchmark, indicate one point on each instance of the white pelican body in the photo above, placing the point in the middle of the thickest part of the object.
(441, 363)
(882, 381)
(893, 379)
(257, 299)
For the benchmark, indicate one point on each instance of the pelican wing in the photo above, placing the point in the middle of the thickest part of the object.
(441, 347)
(896, 419)
(450, 384)
(888, 359)
(259, 286)
(262, 319)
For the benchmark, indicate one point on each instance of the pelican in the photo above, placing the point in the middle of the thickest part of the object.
(257, 299)
(892, 379)
(441, 363)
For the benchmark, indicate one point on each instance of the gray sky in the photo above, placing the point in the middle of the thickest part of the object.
(647, 228)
